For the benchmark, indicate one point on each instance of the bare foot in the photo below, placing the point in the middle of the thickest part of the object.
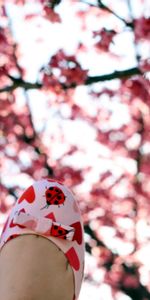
(34, 268)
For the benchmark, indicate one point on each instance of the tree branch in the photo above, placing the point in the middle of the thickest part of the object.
(115, 75)
(91, 233)
(90, 79)
(54, 3)
(18, 82)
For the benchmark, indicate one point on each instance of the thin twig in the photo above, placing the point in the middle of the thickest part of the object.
(35, 137)
(105, 7)
(134, 43)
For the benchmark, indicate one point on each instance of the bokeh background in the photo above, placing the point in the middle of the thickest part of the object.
(75, 106)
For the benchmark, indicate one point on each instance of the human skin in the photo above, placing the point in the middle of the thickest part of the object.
(34, 268)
